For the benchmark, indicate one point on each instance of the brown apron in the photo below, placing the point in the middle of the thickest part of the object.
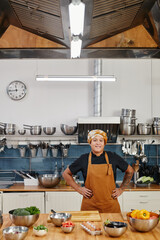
(100, 180)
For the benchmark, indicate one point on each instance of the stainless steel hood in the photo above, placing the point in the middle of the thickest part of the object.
(103, 19)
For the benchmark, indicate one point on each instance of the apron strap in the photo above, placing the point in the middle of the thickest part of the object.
(109, 169)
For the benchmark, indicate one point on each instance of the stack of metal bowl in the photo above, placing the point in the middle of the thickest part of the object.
(128, 121)
(156, 125)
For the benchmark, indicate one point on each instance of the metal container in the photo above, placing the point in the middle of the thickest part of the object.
(15, 233)
(126, 119)
(128, 112)
(127, 129)
(49, 130)
(26, 221)
(49, 180)
(67, 229)
(68, 130)
(142, 225)
(21, 131)
(144, 129)
(58, 218)
(54, 150)
(22, 151)
(34, 130)
(156, 119)
(115, 229)
(156, 130)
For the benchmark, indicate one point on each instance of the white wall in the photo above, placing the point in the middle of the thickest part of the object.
(46, 103)
(137, 87)
(52, 103)
(131, 90)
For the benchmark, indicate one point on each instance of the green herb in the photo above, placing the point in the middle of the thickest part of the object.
(107, 222)
(33, 210)
(41, 227)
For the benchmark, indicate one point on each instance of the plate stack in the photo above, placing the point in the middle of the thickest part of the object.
(128, 121)
(156, 125)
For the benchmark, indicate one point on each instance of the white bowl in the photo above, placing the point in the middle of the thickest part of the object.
(39, 233)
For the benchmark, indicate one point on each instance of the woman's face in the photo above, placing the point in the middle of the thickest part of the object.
(97, 145)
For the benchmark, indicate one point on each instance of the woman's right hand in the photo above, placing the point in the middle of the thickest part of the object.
(87, 193)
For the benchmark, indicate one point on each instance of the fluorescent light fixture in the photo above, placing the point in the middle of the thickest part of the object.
(76, 45)
(76, 78)
(76, 17)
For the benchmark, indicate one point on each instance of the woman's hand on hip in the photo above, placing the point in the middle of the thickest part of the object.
(116, 193)
(87, 193)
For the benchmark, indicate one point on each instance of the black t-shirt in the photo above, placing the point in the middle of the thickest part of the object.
(81, 164)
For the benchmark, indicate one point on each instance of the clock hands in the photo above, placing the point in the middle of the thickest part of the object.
(14, 90)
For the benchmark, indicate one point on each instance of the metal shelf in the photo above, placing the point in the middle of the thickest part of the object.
(56, 139)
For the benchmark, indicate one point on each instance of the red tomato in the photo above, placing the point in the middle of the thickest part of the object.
(67, 224)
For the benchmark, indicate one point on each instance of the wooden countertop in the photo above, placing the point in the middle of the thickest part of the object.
(20, 187)
(78, 233)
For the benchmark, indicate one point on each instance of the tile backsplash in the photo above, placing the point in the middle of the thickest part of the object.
(10, 159)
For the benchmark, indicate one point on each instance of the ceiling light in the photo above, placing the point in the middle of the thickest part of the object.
(76, 17)
(76, 78)
(76, 45)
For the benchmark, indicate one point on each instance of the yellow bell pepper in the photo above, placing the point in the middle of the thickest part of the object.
(143, 214)
(134, 213)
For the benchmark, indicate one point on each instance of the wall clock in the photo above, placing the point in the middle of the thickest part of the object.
(16, 90)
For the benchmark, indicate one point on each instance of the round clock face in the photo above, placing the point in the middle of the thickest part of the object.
(16, 90)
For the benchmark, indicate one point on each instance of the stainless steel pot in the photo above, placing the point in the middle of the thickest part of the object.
(9, 128)
(127, 129)
(128, 112)
(156, 130)
(126, 119)
(49, 130)
(144, 129)
(34, 130)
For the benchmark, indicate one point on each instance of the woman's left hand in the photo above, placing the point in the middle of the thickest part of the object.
(116, 193)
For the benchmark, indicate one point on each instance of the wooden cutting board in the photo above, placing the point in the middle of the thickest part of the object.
(80, 216)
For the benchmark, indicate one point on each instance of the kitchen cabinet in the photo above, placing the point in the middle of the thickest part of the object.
(63, 201)
(148, 200)
(20, 200)
(120, 201)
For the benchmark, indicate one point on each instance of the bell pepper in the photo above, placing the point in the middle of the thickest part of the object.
(134, 213)
(143, 214)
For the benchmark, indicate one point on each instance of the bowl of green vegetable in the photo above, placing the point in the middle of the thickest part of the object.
(24, 216)
(40, 230)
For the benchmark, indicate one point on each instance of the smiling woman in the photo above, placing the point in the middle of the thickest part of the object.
(98, 168)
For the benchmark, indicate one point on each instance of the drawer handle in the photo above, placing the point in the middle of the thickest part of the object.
(24, 195)
(143, 196)
(143, 202)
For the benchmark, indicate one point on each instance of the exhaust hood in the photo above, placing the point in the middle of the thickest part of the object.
(110, 125)
(103, 19)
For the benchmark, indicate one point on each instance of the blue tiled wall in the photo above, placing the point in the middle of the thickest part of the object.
(10, 159)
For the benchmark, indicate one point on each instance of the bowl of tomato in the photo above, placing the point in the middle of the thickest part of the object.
(67, 226)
